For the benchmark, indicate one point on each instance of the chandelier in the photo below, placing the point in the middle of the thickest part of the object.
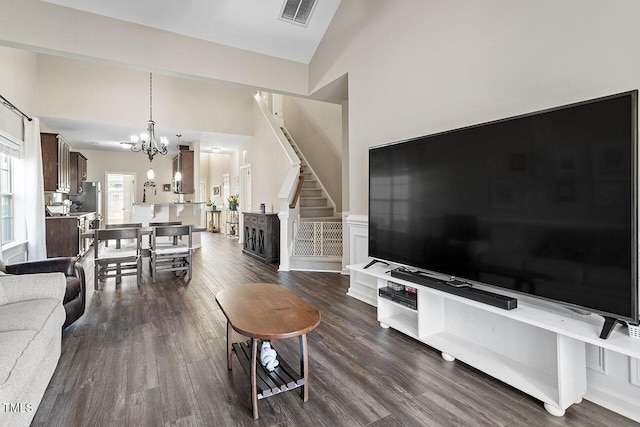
(147, 140)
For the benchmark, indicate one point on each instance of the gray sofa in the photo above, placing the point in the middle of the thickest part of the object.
(31, 319)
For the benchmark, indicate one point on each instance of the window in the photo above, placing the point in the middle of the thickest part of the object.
(6, 194)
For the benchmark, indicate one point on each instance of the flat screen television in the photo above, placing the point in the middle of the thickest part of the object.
(543, 204)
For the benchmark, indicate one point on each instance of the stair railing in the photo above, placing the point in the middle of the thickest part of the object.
(310, 169)
(296, 196)
(287, 192)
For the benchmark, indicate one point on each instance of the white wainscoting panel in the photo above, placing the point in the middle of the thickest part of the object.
(362, 287)
(346, 255)
(596, 359)
(634, 371)
(613, 386)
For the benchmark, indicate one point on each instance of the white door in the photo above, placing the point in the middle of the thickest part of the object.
(203, 197)
(245, 188)
(226, 190)
(121, 195)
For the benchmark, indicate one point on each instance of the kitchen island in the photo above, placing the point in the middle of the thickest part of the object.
(189, 213)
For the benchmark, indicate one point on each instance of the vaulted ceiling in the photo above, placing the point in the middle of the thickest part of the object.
(253, 25)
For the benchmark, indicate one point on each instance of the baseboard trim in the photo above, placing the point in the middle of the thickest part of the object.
(615, 402)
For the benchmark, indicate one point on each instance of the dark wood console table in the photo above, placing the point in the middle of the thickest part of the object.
(265, 311)
(262, 236)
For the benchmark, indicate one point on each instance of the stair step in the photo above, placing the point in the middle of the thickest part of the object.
(306, 212)
(306, 202)
(321, 219)
(309, 184)
(310, 192)
(311, 263)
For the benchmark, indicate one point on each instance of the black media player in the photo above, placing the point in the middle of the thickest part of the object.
(404, 298)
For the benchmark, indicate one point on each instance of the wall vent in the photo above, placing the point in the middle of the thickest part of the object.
(297, 11)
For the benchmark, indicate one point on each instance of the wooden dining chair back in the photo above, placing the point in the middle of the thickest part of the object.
(127, 225)
(163, 224)
(119, 261)
(174, 255)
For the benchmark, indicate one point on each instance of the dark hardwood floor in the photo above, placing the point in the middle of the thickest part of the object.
(155, 355)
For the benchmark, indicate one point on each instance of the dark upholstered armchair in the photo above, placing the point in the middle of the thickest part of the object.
(75, 294)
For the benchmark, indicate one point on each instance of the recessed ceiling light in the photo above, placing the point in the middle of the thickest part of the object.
(95, 143)
(216, 149)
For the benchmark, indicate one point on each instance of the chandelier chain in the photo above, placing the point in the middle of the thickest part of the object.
(150, 96)
(148, 143)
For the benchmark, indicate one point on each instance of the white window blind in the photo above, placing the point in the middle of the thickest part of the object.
(10, 145)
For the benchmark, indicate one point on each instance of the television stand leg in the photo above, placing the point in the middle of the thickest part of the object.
(447, 357)
(607, 328)
(373, 262)
(556, 412)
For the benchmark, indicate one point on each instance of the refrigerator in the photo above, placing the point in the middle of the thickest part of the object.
(90, 200)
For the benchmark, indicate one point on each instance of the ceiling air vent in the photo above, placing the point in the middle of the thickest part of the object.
(297, 11)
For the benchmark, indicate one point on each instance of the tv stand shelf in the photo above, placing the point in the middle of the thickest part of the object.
(538, 348)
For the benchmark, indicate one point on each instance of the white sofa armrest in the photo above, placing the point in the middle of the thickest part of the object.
(32, 286)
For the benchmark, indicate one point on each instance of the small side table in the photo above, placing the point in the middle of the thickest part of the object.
(232, 223)
(265, 311)
(213, 221)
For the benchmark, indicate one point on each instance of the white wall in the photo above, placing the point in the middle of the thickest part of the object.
(49, 28)
(219, 164)
(84, 90)
(316, 127)
(101, 162)
(17, 84)
(17, 77)
(418, 67)
(269, 164)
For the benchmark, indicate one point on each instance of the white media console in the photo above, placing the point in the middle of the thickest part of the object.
(538, 347)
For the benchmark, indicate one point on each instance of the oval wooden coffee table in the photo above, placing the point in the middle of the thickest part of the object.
(263, 311)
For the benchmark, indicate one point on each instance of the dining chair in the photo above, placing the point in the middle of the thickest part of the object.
(119, 261)
(126, 225)
(174, 255)
(166, 223)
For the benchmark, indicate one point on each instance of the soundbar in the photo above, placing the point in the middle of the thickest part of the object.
(486, 297)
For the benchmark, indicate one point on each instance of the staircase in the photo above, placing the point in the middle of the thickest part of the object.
(317, 242)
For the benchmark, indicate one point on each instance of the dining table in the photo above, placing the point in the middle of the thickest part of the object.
(144, 231)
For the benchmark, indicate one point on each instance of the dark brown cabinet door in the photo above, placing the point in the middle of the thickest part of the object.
(49, 144)
(183, 162)
(55, 162)
(63, 237)
(77, 172)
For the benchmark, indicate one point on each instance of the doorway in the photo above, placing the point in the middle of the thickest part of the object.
(121, 195)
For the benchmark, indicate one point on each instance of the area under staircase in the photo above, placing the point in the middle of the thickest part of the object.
(317, 239)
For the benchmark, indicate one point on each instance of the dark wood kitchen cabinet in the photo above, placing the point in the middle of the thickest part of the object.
(77, 172)
(183, 162)
(55, 163)
(63, 236)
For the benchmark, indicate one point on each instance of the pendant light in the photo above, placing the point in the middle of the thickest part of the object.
(178, 176)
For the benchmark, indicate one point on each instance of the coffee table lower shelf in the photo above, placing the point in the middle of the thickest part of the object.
(269, 383)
